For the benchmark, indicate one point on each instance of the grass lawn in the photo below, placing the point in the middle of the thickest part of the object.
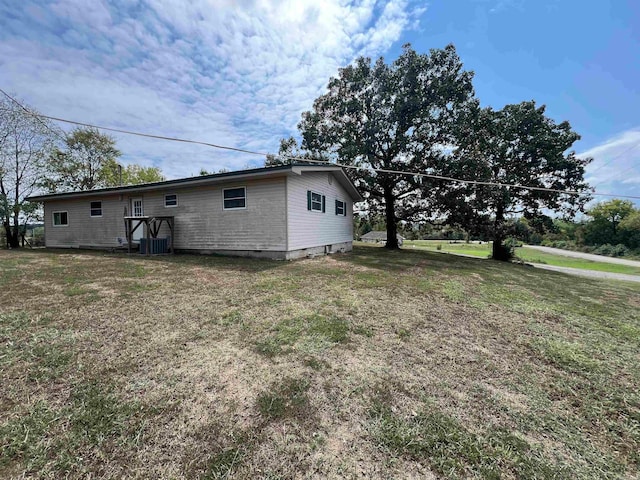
(373, 364)
(474, 249)
(522, 253)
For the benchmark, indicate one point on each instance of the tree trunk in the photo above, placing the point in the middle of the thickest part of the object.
(390, 214)
(499, 252)
(15, 237)
(12, 236)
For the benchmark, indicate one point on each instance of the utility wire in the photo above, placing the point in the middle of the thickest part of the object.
(617, 175)
(614, 158)
(128, 132)
(33, 114)
(302, 159)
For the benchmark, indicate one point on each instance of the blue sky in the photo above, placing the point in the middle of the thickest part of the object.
(240, 72)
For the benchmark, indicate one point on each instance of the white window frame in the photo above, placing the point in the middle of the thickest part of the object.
(344, 208)
(320, 202)
(235, 198)
(91, 209)
(53, 219)
(170, 195)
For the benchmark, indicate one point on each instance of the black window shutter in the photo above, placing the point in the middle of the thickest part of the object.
(336, 207)
(308, 199)
(323, 202)
(344, 209)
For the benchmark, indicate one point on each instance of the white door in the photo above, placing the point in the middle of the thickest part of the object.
(137, 211)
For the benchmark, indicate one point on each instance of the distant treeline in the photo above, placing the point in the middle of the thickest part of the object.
(610, 228)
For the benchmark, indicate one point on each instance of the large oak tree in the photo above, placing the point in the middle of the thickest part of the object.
(397, 116)
(518, 145)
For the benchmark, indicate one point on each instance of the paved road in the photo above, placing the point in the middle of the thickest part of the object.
(585, 256)
(575, 271)
(589, 273)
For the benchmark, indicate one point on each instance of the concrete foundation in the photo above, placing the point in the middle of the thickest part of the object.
(278, 254)
(269, 254)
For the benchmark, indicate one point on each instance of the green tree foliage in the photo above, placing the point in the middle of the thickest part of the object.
(131, 174)
(606, 218)
(88, 161)
(392, 116)
(25, 143)
(517, 145)
(630, 230)
(361, 226)
(84, 163)
(290, 152)
(204, 172)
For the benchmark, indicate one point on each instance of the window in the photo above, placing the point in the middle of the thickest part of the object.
(234, 198)
(315, 201)
(341, 208)
(96, 209)
(171, 200)
(60, 219)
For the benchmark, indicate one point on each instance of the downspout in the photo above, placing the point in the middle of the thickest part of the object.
(286, 214)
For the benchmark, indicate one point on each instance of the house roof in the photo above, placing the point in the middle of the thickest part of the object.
(378, 235)
(264, 172)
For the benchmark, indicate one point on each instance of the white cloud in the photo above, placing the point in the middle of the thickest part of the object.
(228, 72)
(633, 179)
(613, 157)
(616, 165)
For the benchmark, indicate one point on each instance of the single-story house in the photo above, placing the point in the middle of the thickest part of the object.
(379, 237)
(282, 212)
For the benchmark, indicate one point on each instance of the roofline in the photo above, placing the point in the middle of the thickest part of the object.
(296, 168)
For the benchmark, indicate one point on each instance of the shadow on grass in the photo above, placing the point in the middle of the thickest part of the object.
(403, 259)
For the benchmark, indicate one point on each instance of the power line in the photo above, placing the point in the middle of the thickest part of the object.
(37, 116)
(302, 159)
(614, 158)
(619, 175)
(128, 132)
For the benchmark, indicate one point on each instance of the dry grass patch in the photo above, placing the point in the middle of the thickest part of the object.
(374, 364)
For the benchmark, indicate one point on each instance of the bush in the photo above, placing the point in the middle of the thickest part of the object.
(535, 239)
(609, 250)
(511, 243)
(620, 250)
(606, 249)
(564, 244)
(503, 252)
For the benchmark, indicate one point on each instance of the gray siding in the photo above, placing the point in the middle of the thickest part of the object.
(84, 229)
(311, 229)
(200, 221)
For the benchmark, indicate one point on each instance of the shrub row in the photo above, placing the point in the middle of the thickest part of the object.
(607, 249)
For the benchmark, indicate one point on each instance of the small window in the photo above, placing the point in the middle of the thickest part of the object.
(341, 208)
(234, 198)
(171, 200)
(315, 201)
(96, 209)
(60, 219)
